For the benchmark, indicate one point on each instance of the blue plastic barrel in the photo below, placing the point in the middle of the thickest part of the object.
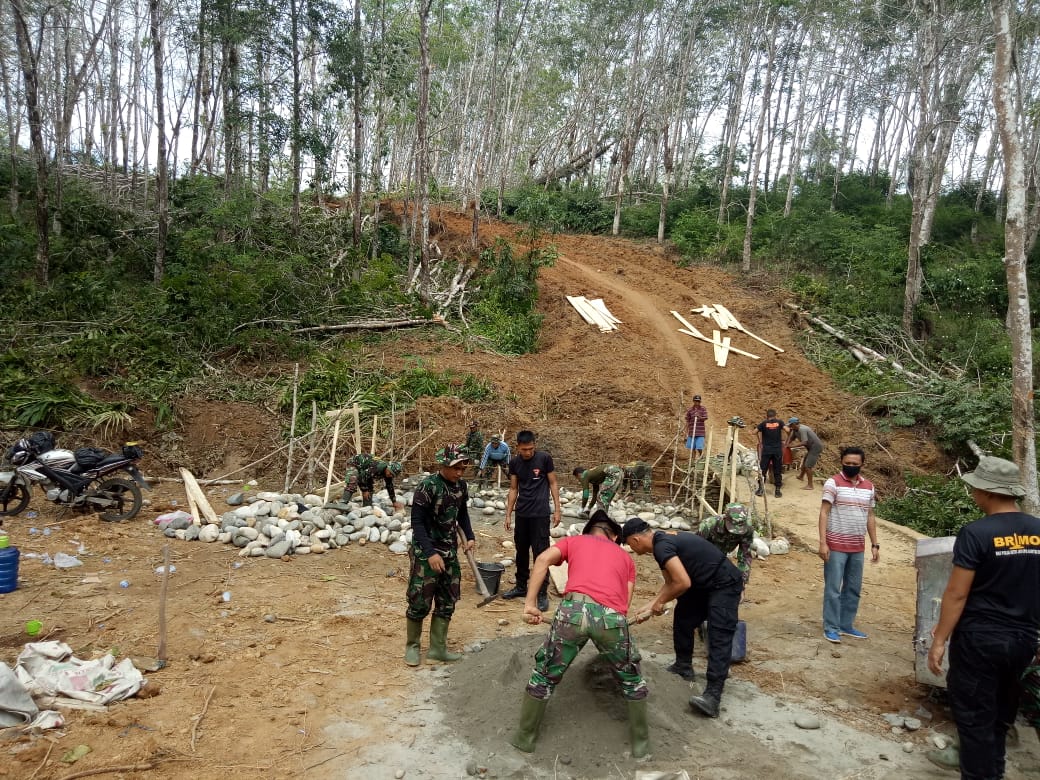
(8, 565)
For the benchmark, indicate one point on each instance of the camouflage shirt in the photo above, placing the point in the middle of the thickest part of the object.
(714, 530)
(438, 508)
(368, 468)
(474, 444)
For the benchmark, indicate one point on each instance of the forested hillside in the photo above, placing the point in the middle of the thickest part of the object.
(209, 184)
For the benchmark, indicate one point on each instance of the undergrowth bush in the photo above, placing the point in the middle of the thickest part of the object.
(933, 505)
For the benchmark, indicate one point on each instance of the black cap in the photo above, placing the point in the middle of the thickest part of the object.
(696, 398)
(600, 517)
(633, 525)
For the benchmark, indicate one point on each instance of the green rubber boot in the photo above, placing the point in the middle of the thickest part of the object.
(439, 642)
(412, 646)
(531, 712)
(638, 730)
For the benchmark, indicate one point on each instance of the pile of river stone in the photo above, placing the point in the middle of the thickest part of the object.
(281, 524)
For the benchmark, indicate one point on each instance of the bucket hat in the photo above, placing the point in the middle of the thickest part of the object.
(452, 455)
(735, 517)
(599, 517)
(996, 475)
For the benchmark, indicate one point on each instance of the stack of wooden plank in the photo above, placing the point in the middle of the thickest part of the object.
(594, 312)
(725, 320)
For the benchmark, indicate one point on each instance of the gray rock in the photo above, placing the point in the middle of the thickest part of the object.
(209, 533)
(247, 533)
(236, 499)
(240, 541)
(398, 548)
(170, 532)
(478, 503)
(224, 537)
(394, 524)
(270, 618)
(191, 533)
(278, 549)
(908, 747)
(892, 719)
(911, 724)
(180, 523)
(373, 534)
(807, 722)
(312, 500)
(342, 539)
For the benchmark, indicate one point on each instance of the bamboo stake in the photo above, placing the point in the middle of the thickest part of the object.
(313, 449)
(725, 464)
(733, 466)
(357, 428)
(332, 457)
(292, 426)
(706, 457)
(375, 427)
(161, 652)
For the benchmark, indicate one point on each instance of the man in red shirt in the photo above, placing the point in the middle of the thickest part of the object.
(600, 581)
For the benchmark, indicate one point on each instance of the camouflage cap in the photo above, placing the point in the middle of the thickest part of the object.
(394, 467)
(452, 455)
(496, 437)
(735, 516)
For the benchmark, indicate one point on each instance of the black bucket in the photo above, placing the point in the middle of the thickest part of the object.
(491, 573)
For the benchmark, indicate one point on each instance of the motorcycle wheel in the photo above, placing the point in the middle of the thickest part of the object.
(14, 497)
(127, 497)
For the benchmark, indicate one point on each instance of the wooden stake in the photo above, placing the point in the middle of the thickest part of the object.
(733, 465)
(313, 448)
(201, 503)
(161, 652)
(704, 483)
(725, 463)
(292, 426)
(375, 427)
(332, 457)
(357, 428)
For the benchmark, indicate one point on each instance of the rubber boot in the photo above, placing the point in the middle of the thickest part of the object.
(638, 731)
(532, 711)
(439, 642)
(412, 646)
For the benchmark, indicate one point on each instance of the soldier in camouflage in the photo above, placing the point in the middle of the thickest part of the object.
(474, 445)
(600, 581)
(598, 486)
(438, 513)
(731, 529)
(638, 473)
(350, 483)
(368, 468)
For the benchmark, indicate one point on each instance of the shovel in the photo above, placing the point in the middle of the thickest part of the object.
(481, 585)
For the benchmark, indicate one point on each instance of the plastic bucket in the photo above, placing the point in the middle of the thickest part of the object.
(491, 573)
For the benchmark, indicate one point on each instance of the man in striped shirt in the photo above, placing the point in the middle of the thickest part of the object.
(846, 515)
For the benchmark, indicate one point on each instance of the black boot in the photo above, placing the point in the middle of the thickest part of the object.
(684, 670)
(519, 591)
(707, 703)
(543, 599)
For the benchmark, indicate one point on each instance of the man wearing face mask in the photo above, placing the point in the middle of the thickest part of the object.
(846, 515)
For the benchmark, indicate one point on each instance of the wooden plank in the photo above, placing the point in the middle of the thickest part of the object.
(195, 492)
(601, 307)
(724, 352)
(574, 301)
(728, 316)
(716, 345)
(702, 337)
(689, 328)
(720, 319)
(742, 329)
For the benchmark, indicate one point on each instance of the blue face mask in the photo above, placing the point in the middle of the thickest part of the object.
(850, 471)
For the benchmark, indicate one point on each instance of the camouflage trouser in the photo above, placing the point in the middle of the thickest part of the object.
(577, 622)
(639, 473)
(1029, 704)
(615, 475)
(427, 588)
(350, 482)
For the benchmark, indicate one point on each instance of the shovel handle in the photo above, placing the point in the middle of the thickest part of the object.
(481, 585)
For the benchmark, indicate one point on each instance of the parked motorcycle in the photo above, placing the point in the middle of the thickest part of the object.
(86, 480)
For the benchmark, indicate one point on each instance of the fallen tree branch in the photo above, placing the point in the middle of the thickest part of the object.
(863, 354)
(198, 718)
(105, 770)
(372, 325)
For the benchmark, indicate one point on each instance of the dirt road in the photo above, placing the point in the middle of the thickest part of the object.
(301, 673)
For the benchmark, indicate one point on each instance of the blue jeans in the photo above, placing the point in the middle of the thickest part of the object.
(842, 580)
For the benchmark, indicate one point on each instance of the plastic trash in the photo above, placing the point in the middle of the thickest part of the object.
(46, 559)
(31, 515)
(46, 531)
(226, 595)
(33, 531)
(124, 583)
(159, 569)
(236, 565)
(63, 561)
(106, 559)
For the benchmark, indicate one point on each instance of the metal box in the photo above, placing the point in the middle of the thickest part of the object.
(934, 562)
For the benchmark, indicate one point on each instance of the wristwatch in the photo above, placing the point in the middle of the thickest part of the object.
(875, 547)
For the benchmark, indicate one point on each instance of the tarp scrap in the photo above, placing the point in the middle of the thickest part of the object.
(50, 669)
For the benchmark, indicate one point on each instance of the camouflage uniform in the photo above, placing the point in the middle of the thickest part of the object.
(350, 482)
(603, 483)
(731, 529)
(637, 471)
(577, 622)
(438, 509)
(368, 469)
(474, 445)
(1030, 699)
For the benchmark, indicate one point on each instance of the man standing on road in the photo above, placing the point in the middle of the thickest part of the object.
(707, 587)
(600, 580)
(495, 454)
(990, 615)
(731, 529)
(434, 580)
(808, 440)
(602, 483)
(770, 434)
(846, 514)
(532, 479)
(696, 417)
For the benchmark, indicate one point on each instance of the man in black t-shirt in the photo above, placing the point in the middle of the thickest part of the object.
(990, 615)
(532, 478)
(770, 450)
(706, 586)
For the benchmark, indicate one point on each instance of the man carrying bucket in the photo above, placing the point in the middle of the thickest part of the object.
(706, 586)
(600, 581)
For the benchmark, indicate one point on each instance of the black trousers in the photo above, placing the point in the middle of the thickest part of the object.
(531, 536)
(983, 686)
(776, 459)
(718, 605)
